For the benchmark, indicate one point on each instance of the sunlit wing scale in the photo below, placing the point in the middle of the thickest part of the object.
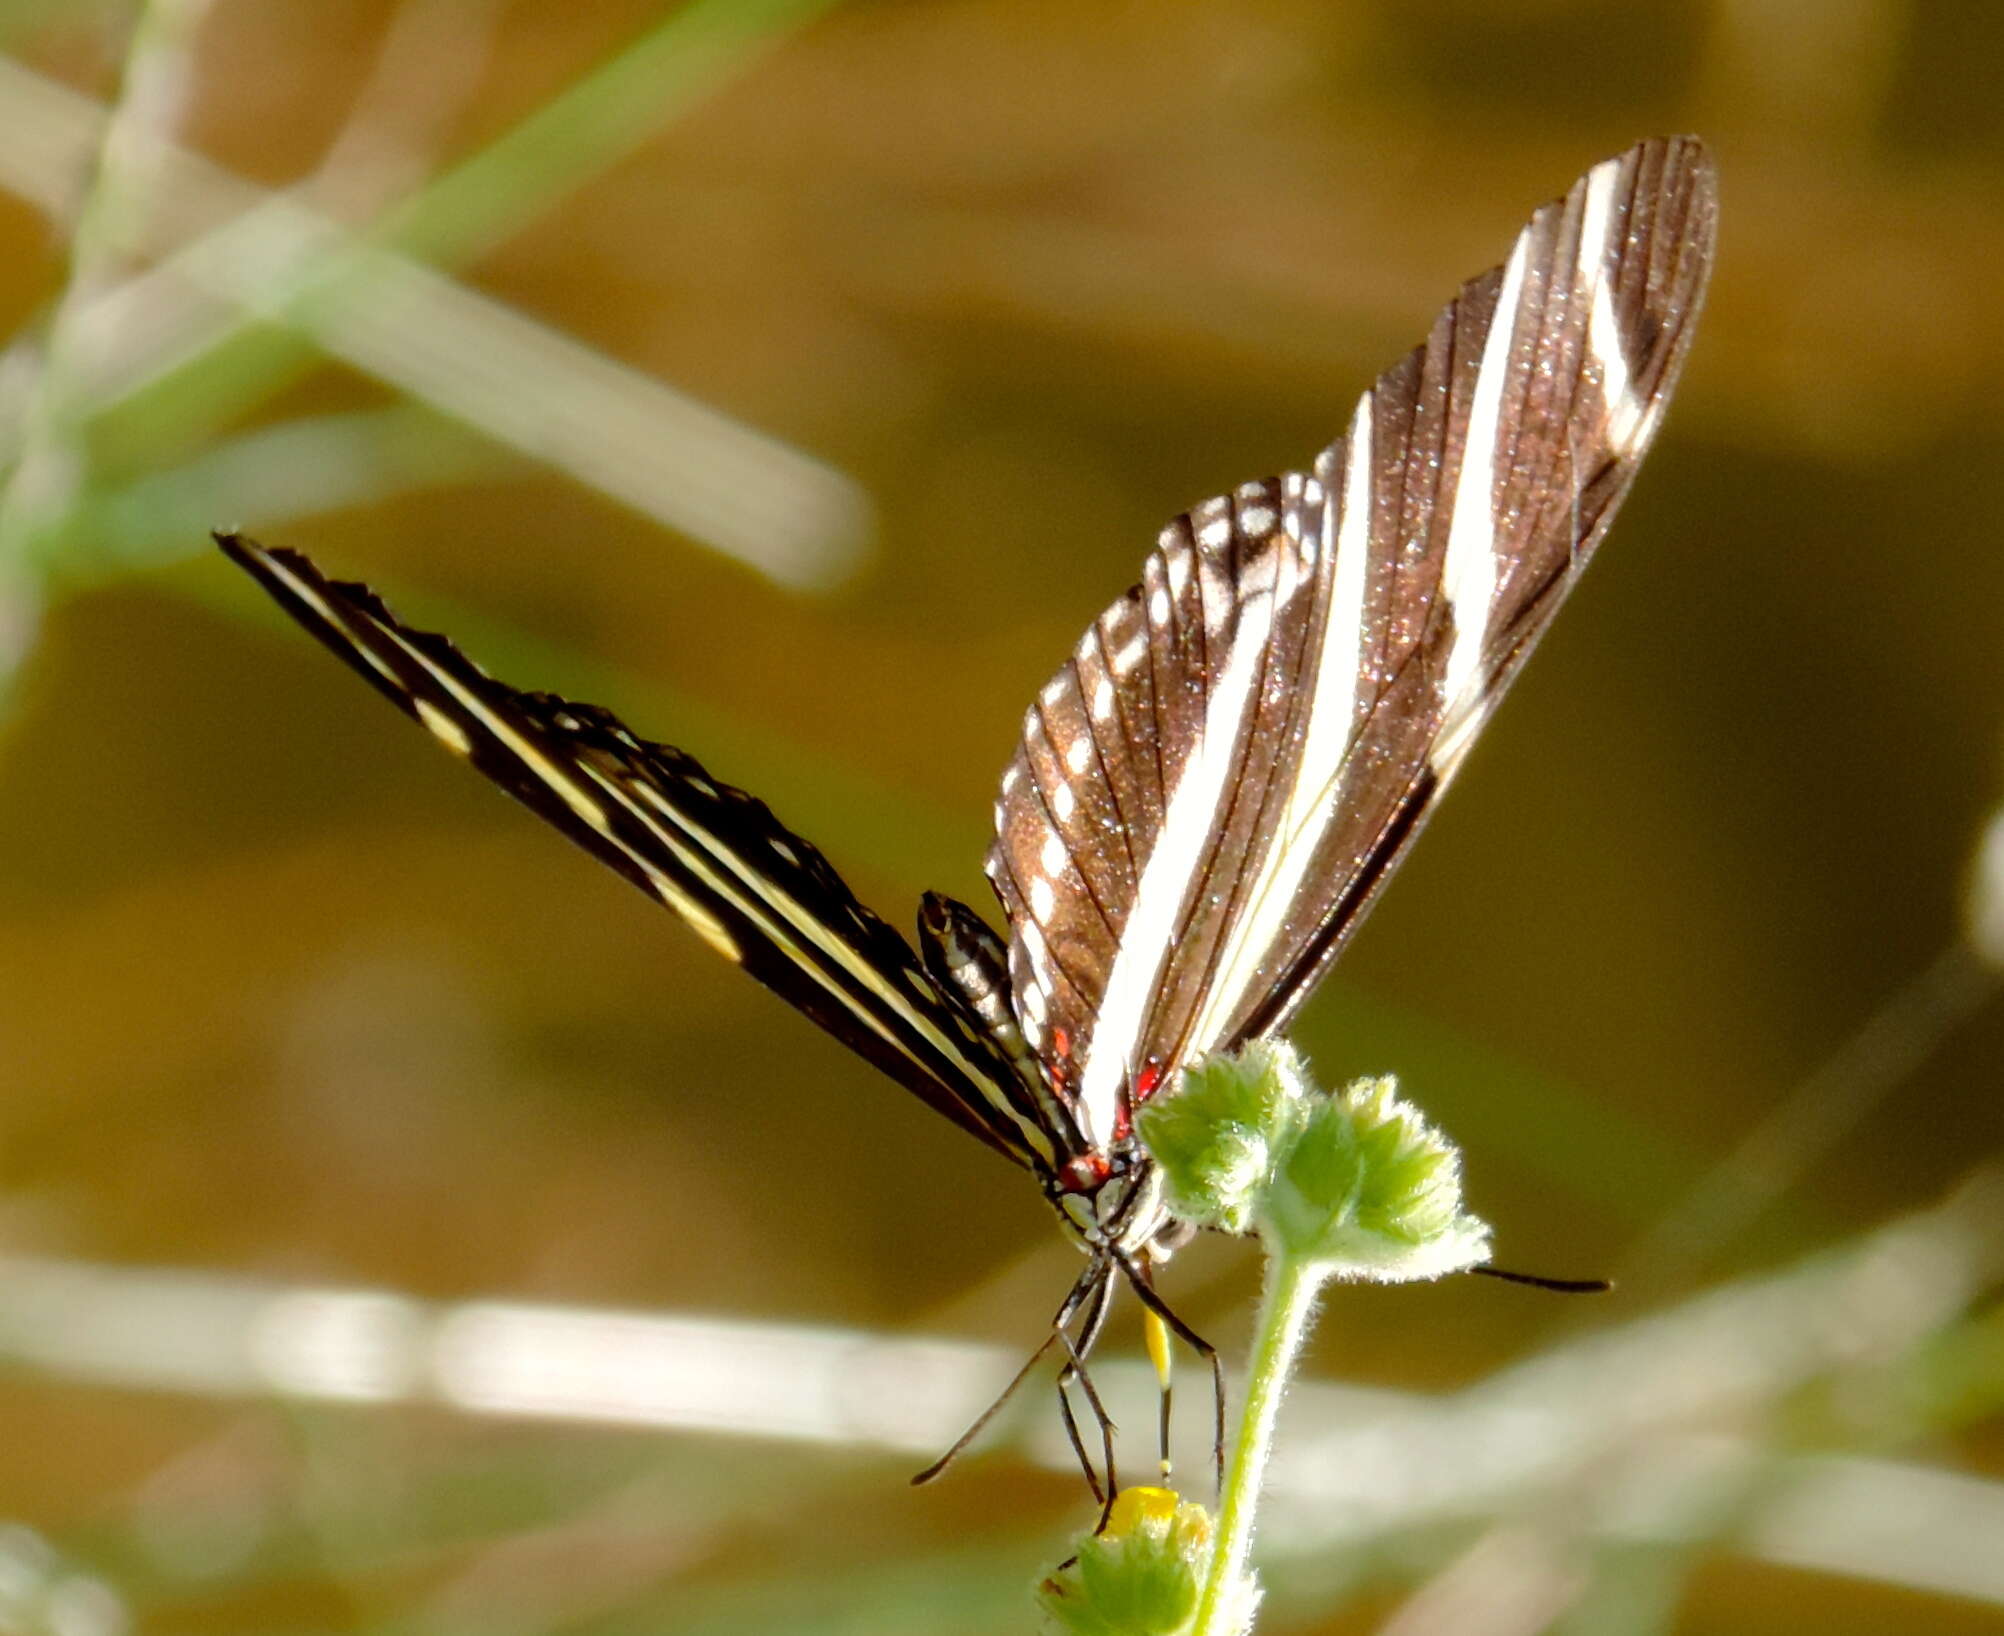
(755, 891)
(1213, 786)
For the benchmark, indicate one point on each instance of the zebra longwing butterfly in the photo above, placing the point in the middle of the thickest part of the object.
(1212, 788)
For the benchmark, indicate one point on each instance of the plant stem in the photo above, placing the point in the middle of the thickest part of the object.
(1293, 1282)
(49, 475)
(579, 134)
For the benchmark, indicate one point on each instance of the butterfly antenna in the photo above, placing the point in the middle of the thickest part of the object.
(1558, 1286)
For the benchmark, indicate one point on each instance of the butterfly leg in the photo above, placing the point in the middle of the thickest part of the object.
(1078, 1347)
(1088, 1287)
(1075, 1436)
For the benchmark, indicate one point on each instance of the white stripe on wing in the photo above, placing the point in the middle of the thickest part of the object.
(1468, 568)
(1187, 836)
(1340, 679)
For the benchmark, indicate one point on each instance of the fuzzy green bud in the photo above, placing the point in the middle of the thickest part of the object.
(1371, 1190)
(1139, 1575)
(1215, 1135)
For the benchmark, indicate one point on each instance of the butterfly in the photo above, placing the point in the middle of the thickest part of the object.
(1209, 792)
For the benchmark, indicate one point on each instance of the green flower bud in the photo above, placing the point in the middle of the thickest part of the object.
(1214, 1136)
(1138, 1576)
(1371, 1190)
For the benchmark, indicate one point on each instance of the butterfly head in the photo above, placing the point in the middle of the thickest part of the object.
(1112, 1203)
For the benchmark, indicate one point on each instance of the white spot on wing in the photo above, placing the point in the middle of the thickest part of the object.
(1102, 700)
(1078, 755)
(706, 925)
(443, 728)
(1158, 606)
(1031, 936)
(559, 777)
(1043, 898)
(1063, 803)
(1054, 855)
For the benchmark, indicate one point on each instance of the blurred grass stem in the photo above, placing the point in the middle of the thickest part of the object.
(1883, 1054)
(1641, 1427)
(250, 279)
(666, 455)
(582, 132)
(50, 462)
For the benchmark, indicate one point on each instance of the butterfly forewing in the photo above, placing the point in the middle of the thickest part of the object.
(1210, 790)
(755, 891)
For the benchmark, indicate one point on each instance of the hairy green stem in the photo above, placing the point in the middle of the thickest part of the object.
(1293, 1283)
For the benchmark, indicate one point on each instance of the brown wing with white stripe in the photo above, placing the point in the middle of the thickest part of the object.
(1213, 786)
(755, 891)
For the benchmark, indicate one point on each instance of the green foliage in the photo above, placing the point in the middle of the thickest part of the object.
(1139, 1576)
(1356, 1180)
(1370, 1188)
(1215, 1132)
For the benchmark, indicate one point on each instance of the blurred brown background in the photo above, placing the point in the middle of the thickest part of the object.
(800, 383)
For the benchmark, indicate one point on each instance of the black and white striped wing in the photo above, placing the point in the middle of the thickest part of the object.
(1213, 786)
(751, 888)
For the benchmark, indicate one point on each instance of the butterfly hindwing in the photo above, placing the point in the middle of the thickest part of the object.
(755, 891)
(1211, 789)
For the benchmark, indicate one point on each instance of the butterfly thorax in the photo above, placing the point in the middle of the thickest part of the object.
(1112, 1204)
